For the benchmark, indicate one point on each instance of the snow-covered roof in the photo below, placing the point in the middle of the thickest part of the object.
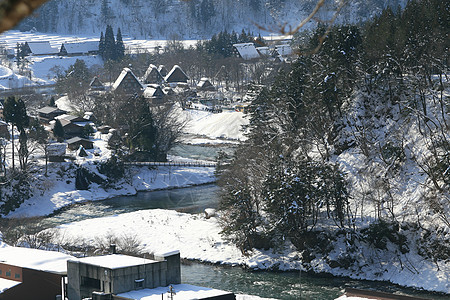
(263, 50)
(176, 75)
(6, 284)
(48, 261)
(77, 139)
(81, 47)
(283, 50)
(49, 110)
(246, 50)
(56, 149)
(39, 48)
(122, 75)
(183, 291)
(153, 90)
(115, 261)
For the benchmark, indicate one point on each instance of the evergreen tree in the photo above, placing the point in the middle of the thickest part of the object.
(101, 45)
(52, 102)
(58, 131)
(15, 112)
(120, 47)
(110, 45)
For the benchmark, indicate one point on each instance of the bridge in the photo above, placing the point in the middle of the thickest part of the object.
(198, 164)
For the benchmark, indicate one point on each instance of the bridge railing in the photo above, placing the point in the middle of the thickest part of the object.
(199, 164)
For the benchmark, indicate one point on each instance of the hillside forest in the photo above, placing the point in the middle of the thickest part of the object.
(349, 148)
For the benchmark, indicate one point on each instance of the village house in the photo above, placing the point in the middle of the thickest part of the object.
(48, 113)
(79, 48)
(246, 51)
(96, 84)
(154, 94)
(176, 75)
(153, 76)
(70, 128)
(39, 48)
(127, 83)
(204, 85)
(75, 143)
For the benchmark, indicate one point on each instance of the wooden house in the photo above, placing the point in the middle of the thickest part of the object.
(127, 83)
(56, 152)
(39, 48)
(152, 76)
(79, 48)
(71, 128)
(176, 75)
(48, 113)
(76, 142)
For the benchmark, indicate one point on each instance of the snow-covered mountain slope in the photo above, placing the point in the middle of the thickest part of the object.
(188, 19)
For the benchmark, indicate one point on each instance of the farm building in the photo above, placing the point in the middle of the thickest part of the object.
(79, 48)
(39, 48)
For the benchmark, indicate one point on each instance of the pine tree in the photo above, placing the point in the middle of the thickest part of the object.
(58, 131)
(101, 45)
(120, 47)
(110, 45)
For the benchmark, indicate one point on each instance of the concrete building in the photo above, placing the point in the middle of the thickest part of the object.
(116, 273)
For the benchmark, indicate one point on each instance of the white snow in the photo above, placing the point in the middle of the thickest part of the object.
(6, 284)
(224, 126)
(49, 261)
(115, 261)
(183, 291)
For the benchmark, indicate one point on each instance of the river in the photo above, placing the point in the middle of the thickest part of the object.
(280, 285)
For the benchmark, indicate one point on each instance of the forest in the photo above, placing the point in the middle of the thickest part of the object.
(350, 144)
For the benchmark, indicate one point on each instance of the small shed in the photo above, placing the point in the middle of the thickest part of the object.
(56, 152)
(75, 143)
(176, 75)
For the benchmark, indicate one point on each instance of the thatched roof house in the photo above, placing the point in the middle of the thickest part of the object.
(176, 75)
(204, 85)
(127, 83)
(152, 76)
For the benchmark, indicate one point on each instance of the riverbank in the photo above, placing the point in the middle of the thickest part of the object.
(199, 238)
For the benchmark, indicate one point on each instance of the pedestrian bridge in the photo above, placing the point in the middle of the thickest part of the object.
(189, 164)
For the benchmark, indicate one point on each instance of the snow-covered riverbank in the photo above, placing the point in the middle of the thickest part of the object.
(199, 238)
